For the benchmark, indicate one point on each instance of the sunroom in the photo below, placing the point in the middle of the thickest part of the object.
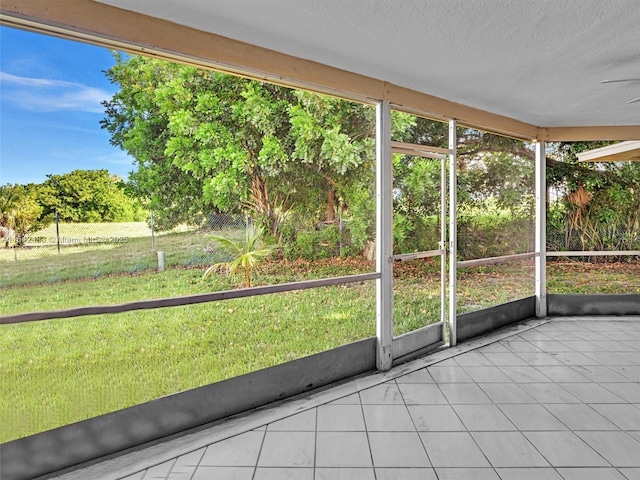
(454, 397)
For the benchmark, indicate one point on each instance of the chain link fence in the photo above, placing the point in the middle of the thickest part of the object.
(68, 251)
(617, 238)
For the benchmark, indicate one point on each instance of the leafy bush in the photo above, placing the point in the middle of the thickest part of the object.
(597, 206)
(361, 218)
(415, 233)
(312, 243)
(491, 235)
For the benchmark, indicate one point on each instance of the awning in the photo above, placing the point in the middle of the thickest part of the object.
(619, 152)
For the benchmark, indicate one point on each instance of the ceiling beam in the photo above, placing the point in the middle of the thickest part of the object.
(585, 134)
(108, 26)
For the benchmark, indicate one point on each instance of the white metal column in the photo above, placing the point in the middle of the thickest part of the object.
(443, 246)
(453, 233)
(384, 237)
(541, 230)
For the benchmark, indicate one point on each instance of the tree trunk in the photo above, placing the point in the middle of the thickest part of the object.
(331, 205)
(263, 205)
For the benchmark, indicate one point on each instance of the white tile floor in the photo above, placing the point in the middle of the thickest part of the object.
(547, 400)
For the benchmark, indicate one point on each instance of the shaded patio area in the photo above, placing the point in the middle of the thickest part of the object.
(546, 398)
(555, 398)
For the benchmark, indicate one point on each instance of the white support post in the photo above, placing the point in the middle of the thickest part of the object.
(384, 237)
(443, 246)
(541, 230)
(453, 233)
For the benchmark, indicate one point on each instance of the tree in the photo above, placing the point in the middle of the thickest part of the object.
(206, 142)
(334, 145)
(494, 174)
(20, 211)
(138, 126)
(203, 142)
(598, 206)
(86, 196)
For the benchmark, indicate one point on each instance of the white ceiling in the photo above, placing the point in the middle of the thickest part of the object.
(538, 61)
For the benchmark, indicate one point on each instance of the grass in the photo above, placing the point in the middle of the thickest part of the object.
(62, 371)
(583, 277)
(92, 250)
(57, 372)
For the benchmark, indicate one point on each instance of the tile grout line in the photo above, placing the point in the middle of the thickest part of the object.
(473, 439)
(315, 446)
(264, 437)
(424, 447)
(543, 405)
(197, 464)
(366, 431)
(474, 381)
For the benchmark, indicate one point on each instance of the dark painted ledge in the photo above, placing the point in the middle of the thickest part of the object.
(600, 304)
(477, 323)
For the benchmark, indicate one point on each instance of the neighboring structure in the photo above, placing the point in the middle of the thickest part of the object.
(618, 152)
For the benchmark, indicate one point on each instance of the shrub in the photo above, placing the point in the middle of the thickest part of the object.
(312, 243)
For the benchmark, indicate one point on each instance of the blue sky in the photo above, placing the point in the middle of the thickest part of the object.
(50, 94)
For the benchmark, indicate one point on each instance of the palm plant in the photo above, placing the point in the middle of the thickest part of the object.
(247, 255)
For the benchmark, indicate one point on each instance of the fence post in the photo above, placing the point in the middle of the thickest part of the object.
(153, 237)
(160, 261)
(58, 231)
(341, 231)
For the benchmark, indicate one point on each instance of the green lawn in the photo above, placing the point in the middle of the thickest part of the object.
(61, 371)
(92, 250)
(57, 372)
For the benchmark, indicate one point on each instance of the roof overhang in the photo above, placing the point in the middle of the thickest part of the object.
(189, 31)
(619, 152)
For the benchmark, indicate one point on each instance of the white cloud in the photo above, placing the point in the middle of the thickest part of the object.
(45, 95)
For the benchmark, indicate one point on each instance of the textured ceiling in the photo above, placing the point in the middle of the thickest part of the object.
(538, 61)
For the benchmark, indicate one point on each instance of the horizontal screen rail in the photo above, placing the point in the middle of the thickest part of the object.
(491, 260)
(592, 253)
(186, 300)
(403, 257)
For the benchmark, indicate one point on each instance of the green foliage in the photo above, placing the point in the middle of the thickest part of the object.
(504, 179)
(20, 211)
(360, 219)
(493, 235)
(495, 175)
(599, 203)
(209, 142)
(86, 196)
(139, 126)
(415, 233)
(313, 243)
(206, 142)
(247, 255)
